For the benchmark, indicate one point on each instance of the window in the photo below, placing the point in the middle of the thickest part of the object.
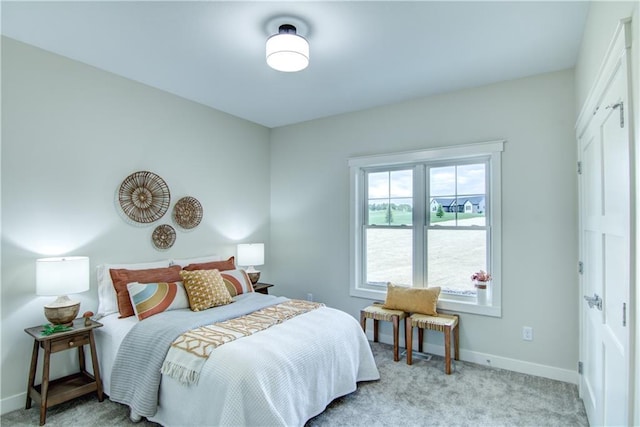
(389, 231)
(428, 218)
(457, 234)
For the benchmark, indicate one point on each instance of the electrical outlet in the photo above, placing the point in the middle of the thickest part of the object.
(309, 297)
(527, 333)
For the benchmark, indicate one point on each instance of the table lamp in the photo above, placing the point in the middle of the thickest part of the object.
(58, 277)
(251, 254)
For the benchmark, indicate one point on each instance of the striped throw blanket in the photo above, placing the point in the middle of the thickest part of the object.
(189, 352)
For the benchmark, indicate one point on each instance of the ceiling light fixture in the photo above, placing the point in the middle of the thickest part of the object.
(287, 51)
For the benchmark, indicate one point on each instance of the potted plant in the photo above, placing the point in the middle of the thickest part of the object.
(481, 280)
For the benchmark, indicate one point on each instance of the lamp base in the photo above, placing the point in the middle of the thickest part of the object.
(254, 276)
(62, 311)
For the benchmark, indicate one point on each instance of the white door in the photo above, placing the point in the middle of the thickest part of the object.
(606, 247)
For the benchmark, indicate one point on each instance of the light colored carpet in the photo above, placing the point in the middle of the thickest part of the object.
(417, 395)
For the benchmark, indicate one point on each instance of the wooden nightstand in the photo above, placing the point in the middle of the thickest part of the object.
(50, 393)
(263, 288)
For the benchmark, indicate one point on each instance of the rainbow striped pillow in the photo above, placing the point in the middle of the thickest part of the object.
(153, 298)
(236, 281)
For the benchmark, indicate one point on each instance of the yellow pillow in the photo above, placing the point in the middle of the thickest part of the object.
(412, 300)
(205, 289)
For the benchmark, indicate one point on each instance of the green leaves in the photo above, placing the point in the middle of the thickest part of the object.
(54, 329)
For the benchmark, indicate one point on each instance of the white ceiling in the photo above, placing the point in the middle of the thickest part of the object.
(363, 54)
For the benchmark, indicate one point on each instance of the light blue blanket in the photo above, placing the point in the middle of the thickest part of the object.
(135, 379)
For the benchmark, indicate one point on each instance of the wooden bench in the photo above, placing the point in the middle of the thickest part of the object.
(444, 323)
(377, 313)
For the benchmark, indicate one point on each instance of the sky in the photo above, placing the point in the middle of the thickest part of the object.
(442, 182)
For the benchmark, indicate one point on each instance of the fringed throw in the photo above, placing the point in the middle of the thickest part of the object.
(189, 352)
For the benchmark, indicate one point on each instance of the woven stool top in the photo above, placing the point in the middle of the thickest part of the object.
(376, 311)
(433, 322)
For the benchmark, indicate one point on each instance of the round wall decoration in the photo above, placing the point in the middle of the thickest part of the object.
(187, 212)
(164, 236)
(144, 196)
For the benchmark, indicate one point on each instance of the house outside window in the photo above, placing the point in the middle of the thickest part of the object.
(428, 218)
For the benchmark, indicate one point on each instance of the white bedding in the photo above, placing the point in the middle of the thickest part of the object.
(281, 376)
(108, 339)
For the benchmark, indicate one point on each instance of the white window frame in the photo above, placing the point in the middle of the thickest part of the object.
(491, 150)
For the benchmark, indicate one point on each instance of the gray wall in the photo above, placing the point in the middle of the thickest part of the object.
(601, 23)
(310, 209)
(70, 135)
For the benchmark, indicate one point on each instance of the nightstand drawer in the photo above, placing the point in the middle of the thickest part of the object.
(66, 343)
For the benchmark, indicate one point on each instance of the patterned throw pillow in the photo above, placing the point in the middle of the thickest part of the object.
(121, 277)
(205, 289)
(107, 297)
(237, 282)
(153, 298)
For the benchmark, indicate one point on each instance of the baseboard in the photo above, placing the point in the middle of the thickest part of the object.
(486, 359)
(11, 403)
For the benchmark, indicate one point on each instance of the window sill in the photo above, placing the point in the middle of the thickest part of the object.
(444, 304)
(469, 307)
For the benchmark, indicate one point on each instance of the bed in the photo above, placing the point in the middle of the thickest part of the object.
(280, 376)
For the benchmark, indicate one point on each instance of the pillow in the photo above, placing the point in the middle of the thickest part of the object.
(412, 300)
(237, 282)
(205, 289)
(107, 299)
(229, 264)
(153, 298)
(121, 277)
(183, 262)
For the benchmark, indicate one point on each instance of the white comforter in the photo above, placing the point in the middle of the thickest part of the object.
(281, 376)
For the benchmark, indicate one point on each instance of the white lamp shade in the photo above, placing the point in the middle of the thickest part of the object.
(251, 254)
(287, 52)
(60, 276)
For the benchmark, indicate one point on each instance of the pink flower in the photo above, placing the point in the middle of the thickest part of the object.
(481, 276)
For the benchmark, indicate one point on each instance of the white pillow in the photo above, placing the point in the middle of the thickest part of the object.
(107, 299)
(183, 262)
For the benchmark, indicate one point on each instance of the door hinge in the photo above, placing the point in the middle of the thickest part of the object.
(580, 267)
(621, 106)
(580, 368)
(579, 168)
(624, 314)
(594, 301)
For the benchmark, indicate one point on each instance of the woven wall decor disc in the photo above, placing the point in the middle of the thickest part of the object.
(187, 212)
(164, 236)
(144, 196)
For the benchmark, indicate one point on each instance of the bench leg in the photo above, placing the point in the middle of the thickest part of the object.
(420, 338)
(408, 338)
(405, 334)
(396, 326)
(375, 330)
(456, 341)
(447, 350)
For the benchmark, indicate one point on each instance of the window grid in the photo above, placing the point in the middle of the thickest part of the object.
(488, 154)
